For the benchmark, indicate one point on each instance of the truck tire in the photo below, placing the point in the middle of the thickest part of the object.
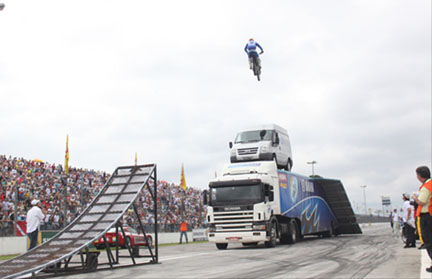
(289, 165)
(221, 246)
(292, 236)
(274, 158)
(273, 236)
(330, 232)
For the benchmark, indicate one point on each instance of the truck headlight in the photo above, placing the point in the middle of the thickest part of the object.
(263, 149)
(259, 227)
(212, 228)
(233, 152)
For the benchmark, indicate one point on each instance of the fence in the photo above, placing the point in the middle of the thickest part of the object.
(7, 227)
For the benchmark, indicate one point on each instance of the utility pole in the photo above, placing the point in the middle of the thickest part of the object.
(364, 198)
(312, 163)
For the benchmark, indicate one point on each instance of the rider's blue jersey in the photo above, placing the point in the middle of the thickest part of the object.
(250, 48)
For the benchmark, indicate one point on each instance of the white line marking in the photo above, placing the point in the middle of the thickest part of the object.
(425, 262)
(169, 258)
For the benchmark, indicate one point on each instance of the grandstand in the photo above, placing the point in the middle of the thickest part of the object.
(46, 182)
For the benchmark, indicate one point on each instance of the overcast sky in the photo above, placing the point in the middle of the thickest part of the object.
(349, 80)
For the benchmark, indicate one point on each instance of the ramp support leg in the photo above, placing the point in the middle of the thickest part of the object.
(109, 254)
(143, 231)
(127, 245)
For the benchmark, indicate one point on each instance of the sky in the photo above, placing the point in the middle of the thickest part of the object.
(169, 80)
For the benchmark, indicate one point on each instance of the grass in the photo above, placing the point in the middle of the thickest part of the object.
(7, 257)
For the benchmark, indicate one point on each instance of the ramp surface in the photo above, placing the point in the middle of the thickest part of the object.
(104, 212)
(338, 201)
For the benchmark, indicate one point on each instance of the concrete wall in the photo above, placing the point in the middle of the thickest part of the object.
(18, 244)
(164, 238)
(13, 245)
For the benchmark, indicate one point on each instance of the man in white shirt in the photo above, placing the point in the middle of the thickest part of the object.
(409, 223)
(396, 224)
(34, 218)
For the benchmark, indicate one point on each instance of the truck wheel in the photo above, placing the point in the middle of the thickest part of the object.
(274, 159)
(330, 232)
(273, 236)
(292, 236)
(221, 246)
(289, 165)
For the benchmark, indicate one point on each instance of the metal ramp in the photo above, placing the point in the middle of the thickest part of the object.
(104, 212)
(337, 199)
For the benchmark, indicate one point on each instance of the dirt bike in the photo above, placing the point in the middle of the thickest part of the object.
(255, 67)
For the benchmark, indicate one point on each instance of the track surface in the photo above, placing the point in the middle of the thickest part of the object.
(375, 254)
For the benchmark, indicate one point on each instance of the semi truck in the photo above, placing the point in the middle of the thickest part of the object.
(255, 202)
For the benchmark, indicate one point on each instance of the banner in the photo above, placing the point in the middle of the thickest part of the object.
(66, 166)
(183, 179)
(386, 201)
(21, 228)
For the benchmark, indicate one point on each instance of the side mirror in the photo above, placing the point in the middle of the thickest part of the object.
(276, 139)
(268, 193)
(230, 144)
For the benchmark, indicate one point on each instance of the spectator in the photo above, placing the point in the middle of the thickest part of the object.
(409, 223)
(34, 218)
(425, 208)
(396, 224)
(183, 231)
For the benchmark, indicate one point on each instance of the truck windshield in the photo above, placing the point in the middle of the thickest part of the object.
(251, 136)
(236, 195)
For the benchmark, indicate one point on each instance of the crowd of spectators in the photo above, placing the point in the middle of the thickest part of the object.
(46, 182)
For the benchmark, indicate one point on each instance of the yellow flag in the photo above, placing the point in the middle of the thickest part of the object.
(136, 159)
(183, 179)
(66, 165)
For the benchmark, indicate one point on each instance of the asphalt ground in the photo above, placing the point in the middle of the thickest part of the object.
(377, 253)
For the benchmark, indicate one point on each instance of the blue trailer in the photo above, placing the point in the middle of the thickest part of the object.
(255, 202)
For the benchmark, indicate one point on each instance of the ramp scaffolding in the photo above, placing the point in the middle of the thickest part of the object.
(105, 212)
(339, 203)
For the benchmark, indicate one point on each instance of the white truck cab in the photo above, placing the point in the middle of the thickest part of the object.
(263, 143)
(242, 201)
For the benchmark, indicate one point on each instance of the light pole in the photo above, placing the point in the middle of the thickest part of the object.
(364, 197)
(312, 163)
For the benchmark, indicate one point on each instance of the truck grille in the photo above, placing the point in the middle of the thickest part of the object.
(248, 151)
(233, 221)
